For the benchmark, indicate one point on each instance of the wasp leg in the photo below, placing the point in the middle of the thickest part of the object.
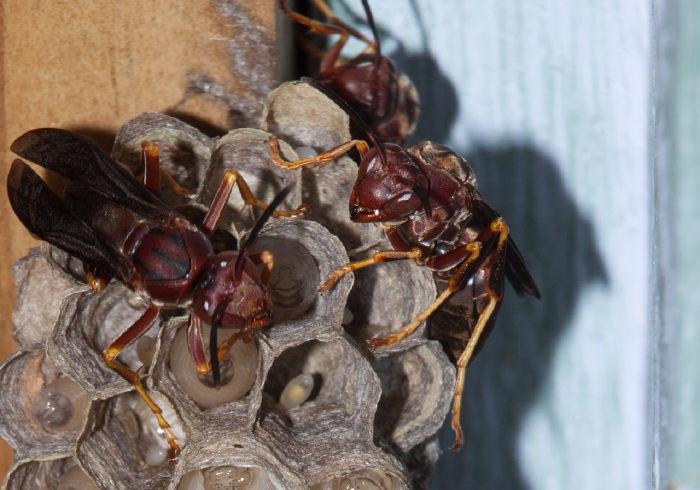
(226, 346)
(128, 337)
(154, 172)
(474, 249)
(151, 158)
(265, 257)
(196, 346)
(494, 293)
(325, 9)
(462, 367)
(177, 188)
(377, 258)
(96, 282)
(322, 158)
(465, 270)
(332, 56)
(216, 210)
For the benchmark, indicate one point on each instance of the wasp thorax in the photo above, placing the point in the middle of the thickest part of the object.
(61, 405)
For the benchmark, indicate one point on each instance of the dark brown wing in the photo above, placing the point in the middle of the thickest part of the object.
(516, 270)
(45, 215)
(80, 160)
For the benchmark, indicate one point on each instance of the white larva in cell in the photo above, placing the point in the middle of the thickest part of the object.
(235, 478)
(61, 405)
(194, 480)
(360, 480)
(305, 152)
(76, 479)
(297, 391)
(151, 440)
(238, 370)
(146, 349)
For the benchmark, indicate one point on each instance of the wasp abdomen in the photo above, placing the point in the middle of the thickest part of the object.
(167, 258)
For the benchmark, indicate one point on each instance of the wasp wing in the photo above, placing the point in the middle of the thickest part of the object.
(45, 215)
(516, 270)
(80, 160)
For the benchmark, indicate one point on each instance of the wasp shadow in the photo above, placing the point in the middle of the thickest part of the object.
(523, 182)
(558, 242)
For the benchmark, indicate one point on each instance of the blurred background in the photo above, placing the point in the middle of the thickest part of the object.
(582, 123)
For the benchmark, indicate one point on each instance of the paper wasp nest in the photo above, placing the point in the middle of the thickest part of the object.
(302, 406)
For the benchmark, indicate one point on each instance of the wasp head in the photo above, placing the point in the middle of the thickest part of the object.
(369, 87)
(238, 283)
(388, 188)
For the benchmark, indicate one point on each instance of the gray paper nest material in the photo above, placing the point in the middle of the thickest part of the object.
(364, 413)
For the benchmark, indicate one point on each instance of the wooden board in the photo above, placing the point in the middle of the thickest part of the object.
(91, 66)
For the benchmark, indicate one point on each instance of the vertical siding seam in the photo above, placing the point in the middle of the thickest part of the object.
(662, 302)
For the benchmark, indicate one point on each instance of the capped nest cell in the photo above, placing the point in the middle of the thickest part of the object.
(303, 404)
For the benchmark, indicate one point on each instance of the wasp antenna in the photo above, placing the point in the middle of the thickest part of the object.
(243, 251)
(354, 116)
(375, 34)
(213, 343)
(377, 51)
(373, 26)
(214, 352)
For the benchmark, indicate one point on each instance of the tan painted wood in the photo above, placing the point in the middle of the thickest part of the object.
(91, 66)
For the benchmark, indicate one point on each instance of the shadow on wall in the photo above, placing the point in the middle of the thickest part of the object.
(503, 383)
(558, 243)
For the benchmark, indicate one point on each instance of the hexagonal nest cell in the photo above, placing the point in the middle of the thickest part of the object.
(303, 404)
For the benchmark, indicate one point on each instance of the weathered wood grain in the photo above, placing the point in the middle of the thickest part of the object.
(90, 67)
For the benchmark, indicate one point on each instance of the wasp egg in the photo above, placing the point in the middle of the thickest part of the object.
(146, 349)
(61, 405)
(360, 480)
(156, 455)
(76, 479)
(297, 391)
(292, 284)
(238, 370)
(304, 152)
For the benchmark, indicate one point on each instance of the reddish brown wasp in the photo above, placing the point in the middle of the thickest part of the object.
(426, 199)
(386, 100)
(120, 229)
